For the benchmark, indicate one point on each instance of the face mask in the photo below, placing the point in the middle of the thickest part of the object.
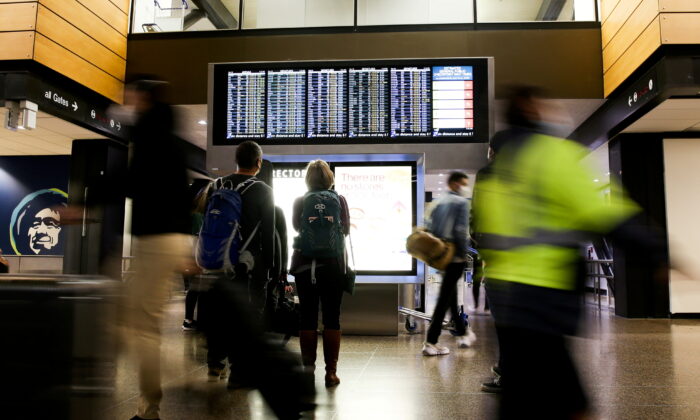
(465, 192)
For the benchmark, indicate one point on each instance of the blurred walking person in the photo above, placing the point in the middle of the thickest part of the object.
(449, 221)
(534, 210)
(160, 224)
(319, 265)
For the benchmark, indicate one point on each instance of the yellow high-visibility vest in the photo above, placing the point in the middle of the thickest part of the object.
(535, 206)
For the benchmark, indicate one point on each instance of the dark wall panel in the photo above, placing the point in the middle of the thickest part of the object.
(641, 290)
(568, 62)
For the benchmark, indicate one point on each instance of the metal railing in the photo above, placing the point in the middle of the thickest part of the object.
(595, 270)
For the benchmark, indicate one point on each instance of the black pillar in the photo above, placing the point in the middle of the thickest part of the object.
(637, 160)
(97, 179)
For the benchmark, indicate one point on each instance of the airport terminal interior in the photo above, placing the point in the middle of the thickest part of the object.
(350, 209)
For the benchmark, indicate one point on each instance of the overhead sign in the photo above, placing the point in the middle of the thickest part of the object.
(86, 110)
(642, 92)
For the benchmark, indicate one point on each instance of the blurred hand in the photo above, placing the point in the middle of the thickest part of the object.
(71, 215)
(190, 267)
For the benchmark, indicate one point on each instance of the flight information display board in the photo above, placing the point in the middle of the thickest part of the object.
(353, 102)
(327, 103)
(245, 116)
(286, 103)
(410, 102)
(369, 102)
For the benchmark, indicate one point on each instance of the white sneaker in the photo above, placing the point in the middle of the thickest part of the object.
(465, 341)
(434, 350)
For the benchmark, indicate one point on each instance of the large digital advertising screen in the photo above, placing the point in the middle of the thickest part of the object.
(381, 200)
(352, 102)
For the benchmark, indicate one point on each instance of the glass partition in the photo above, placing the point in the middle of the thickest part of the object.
(259, 14)
(535, 11)
(207, 15)
(414, 12)
(184, 15)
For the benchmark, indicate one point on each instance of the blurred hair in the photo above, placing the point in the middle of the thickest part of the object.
(152, 85)
(518, 99)
(319, 175)
(247, 154)
(456, 177)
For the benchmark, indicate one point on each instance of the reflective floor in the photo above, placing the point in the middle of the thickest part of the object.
(633, 369)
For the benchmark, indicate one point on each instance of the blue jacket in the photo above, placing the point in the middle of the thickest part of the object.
(449, 220)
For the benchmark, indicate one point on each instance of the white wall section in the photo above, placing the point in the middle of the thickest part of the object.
(682, 181)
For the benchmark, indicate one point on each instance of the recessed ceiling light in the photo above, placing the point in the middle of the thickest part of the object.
(202, 122)
(442, 174)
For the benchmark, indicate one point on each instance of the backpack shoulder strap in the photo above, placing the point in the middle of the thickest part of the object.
(222, 183)
(244, 186)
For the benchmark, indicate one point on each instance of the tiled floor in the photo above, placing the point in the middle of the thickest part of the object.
(633, 369)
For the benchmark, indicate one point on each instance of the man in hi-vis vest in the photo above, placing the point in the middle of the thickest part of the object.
(533, 210)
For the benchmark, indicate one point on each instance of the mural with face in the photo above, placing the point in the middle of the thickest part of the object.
(36, 223)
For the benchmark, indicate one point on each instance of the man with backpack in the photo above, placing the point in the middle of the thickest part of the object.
(236, 243)
(449, 221)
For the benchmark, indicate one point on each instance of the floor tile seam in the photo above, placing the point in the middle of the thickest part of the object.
(362, 373)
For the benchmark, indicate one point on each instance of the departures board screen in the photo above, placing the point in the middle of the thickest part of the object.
(353, 102)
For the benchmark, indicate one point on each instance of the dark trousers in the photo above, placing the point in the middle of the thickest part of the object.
(328, 292)
(235, 330)
(247, 292)
(476, 293)
(447, 299)
(191, 295)
(539, 378)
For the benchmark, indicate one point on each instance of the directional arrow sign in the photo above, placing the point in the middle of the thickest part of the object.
(75, 106)
(119, 126)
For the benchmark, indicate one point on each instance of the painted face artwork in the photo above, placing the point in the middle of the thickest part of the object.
(36, 223)
(44, 231)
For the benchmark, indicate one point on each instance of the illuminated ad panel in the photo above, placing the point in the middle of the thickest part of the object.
(288, 184)
(381, 202)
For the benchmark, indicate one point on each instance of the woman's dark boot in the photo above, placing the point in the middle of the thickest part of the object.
(331, 349)
(308, 340)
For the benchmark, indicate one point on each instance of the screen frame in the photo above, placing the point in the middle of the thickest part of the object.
(483, 100)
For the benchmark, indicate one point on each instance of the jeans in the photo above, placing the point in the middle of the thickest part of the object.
(447, 298)
(328, 291)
